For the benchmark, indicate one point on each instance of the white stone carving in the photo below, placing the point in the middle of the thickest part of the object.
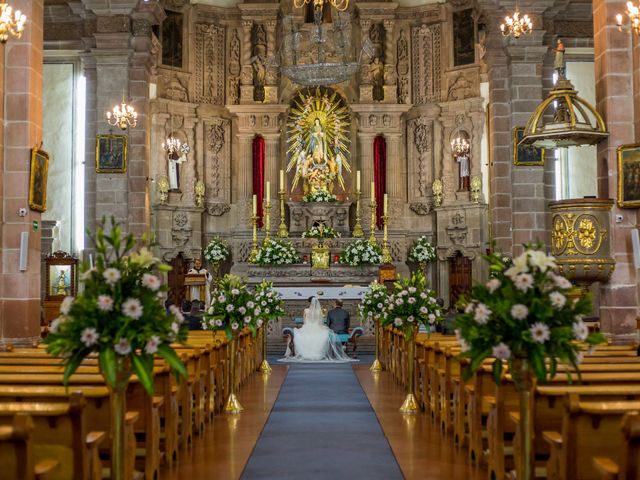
(209, 63)
(425, 49)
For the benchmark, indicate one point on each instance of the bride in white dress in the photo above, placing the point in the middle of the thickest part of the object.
(314, 341)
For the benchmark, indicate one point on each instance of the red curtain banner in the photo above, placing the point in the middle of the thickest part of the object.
(380, 174)
(258, 174)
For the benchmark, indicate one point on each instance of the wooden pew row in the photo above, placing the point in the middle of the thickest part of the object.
(629, 466)
(16, 452)
(60, 432)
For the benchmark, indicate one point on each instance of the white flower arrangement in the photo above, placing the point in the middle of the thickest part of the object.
(217, 251)
(361, 252)
(231, 308)
(276, 252)
(422, 251)
(320, 231)
(374, 301)
(319, 196)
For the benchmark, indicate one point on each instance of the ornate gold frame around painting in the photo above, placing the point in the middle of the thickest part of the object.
(39, 169)
(621, 200)
(516, 159)
(58, 259)
(102, 169)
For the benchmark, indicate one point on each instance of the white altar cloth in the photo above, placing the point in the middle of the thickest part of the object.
(324, 292)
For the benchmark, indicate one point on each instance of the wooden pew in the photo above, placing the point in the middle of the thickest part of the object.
(60, 432)
(16, 452)
(629, 468)
(589, 429)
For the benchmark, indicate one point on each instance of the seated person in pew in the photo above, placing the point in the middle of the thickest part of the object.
(194, 322)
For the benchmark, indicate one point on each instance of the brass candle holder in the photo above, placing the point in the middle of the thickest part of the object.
(357, 228)
(386, 253)
(373, 205)
(283, 232)
(267, 220)
(264, 366)
(254, 239)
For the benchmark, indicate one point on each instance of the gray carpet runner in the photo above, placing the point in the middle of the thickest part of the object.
(322, 427)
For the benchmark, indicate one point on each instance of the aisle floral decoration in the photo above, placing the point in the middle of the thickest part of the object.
(233, 307)
(120, 317)
(374, 302)
(272, 306)
(361, 252)
(321, 232)
(276, 252)
(524, 312)
(410, 304)
(320, 196)
(422, 251)
(217, 251)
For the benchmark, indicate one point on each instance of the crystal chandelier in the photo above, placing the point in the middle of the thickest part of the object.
(174, 147)
(11, 23)
(633, 12)
(340, 5)
(460, 146)
(516, 26)
(123, 116)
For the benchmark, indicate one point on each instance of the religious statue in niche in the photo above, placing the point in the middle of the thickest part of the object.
(259, 75)
(318, 128)
(463, 38)
(558, 63)
(463, 172)
(376, 74)
(175, 159)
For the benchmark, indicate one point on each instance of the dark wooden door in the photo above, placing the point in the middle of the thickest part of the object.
(180, 267)
(459, 277)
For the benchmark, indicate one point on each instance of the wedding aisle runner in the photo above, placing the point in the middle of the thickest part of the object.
(322, 427)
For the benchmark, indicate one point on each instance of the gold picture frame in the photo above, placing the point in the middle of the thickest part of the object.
(111, 153)
(39, 171)
(526, 155)
(628, 176)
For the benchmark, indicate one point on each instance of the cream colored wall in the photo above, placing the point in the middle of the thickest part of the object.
(57, 112)
(581, 166)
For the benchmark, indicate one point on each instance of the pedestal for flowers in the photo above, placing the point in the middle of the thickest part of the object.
(216, 252)
(372, 307)
(410, 305)
(522, 316)
(423, 253)
(232, 309)
(272, 306)
(120, 316)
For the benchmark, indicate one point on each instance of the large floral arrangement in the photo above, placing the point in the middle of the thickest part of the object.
(269, 301)
(361, 252)
(374, 301)
(119, 315)
(320, 231)
(524, 312)
(276, 252)
(411, 303)
(217, 251)
(422, 251)
(232, 308)
(319, 196)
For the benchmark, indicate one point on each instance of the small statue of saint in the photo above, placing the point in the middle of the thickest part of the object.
(463, 172)
(559, 64)
(61, 287)
(376, 74)
(175, 159)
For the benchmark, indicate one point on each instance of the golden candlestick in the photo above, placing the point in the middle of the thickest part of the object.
(264, 366)
(376, 366)
(357, 228)
(373, 205)
(386, 253)
(267, 220)
(254, 239)
(282, 228)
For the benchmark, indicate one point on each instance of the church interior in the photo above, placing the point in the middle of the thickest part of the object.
(319, 239)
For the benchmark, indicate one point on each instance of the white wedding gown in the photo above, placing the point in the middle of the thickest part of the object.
(314, 341)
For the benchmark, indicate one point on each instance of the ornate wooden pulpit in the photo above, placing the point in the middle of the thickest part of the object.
(195, 280)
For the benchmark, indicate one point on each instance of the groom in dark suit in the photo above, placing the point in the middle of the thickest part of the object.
(338, 318)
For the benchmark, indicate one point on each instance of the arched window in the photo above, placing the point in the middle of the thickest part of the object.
(258, 173)
(380, 175)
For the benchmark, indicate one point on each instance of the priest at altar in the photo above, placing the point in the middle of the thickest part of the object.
(195, 291)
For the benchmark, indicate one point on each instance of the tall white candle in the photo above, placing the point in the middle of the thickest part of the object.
(373, 189)
(282, 180)
(268, 191)
(386, 203)
(358, 180)
(255, 205)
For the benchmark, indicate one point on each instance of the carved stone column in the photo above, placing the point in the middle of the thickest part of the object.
(390, 76)
(246, 77)
(396, 167)
(271, 173)
(243, 180)
(365, 141)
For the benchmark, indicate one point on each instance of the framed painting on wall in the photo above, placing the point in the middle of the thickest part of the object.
(526, 155)
(629, 176)
(38, 180)
(111, 153)
(60, 275)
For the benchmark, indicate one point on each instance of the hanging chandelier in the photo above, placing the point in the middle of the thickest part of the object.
(460, 146)
(11, 23)
(123, 116)
(174, 147)
(515, 25)
(633, 12)
(340, 5)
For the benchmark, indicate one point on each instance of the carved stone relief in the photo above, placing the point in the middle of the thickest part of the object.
(422, 131)
(209, 64)
(425, 50)
(181, 229)
(217, 157)
(457, 229)
(460, 89)
(402, 67)
(174, 87)
(233, 82)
